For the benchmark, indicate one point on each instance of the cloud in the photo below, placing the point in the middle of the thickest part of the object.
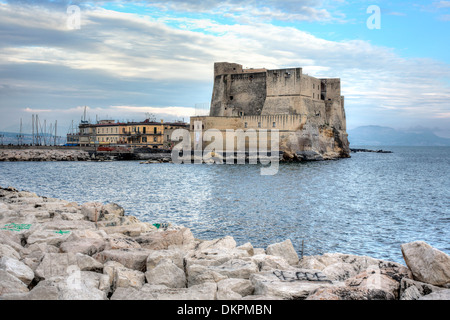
(29, 110)
(123, 63)
(442, 4)
(172, 111)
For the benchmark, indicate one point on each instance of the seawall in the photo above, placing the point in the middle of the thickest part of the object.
(53, 249)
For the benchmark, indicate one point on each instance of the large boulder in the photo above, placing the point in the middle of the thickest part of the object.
(160, 240)
(121, 241)
(289, 284)
(135, 259)
(92, 211)
(426, 263)
(438, 295)
(124, 278)
(37, 293)
(285, 250)
(166, 273)
(414, 290)
(10, 284)
(87, 246)
(214, 256)
(222, 243)
(8, 251)
(234, 289)
(269, 263)
(11, 238)
(18, 269)
(176, 256)
(113, 209)
(59, 264)
(33, 254)
(200, 274)
(206, 291)
(77, 285)
(379, 281)
(236, 268)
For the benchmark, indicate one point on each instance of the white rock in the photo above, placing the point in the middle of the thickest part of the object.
(85, 246)
(17, 269)
(176, 256)
(92, 211)
(268, 262)
(114, 209)
(234, 289)
(247, 247)
(285, 250)
(10, 284)
(199, 274)
(289, 284)
(8, 251)
(414, 290)
(222, 243)
(236, 268)
(109, 268)
(112, 243)
(60, 264)
(37, 293)
(206, 291)
(135, 259)
(124, 278)
(50, 237)
(214, 256)
(166, 273)
(426, 263)
(438, 295)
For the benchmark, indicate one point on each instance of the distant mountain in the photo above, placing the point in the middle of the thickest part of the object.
(386, 136)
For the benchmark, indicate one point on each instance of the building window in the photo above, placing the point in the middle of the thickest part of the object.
(259, 124)
(274, 124)
(154, 139)
(154, 130)
(144, 139)
(245, 124)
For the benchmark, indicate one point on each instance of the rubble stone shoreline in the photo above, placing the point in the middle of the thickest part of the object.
(43, 155)
(53, 249)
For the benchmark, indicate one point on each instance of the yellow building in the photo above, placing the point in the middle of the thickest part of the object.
(144, 134)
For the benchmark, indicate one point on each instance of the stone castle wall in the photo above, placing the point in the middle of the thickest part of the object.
(308, 112)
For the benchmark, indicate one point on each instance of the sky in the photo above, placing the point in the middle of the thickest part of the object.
(124, 59)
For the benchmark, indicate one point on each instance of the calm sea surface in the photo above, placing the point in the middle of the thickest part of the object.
(366, 205)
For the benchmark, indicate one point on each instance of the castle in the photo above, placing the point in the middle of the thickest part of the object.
(308, 112)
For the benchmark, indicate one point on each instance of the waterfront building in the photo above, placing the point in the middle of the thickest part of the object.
(144, 134)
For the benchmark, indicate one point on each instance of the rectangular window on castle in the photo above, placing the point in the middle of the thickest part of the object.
(274, 124)
(259, 124)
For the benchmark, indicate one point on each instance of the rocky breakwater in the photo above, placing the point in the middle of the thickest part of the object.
(56, 249)
(43, 155)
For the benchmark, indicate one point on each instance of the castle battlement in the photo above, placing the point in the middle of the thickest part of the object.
(310, 111)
